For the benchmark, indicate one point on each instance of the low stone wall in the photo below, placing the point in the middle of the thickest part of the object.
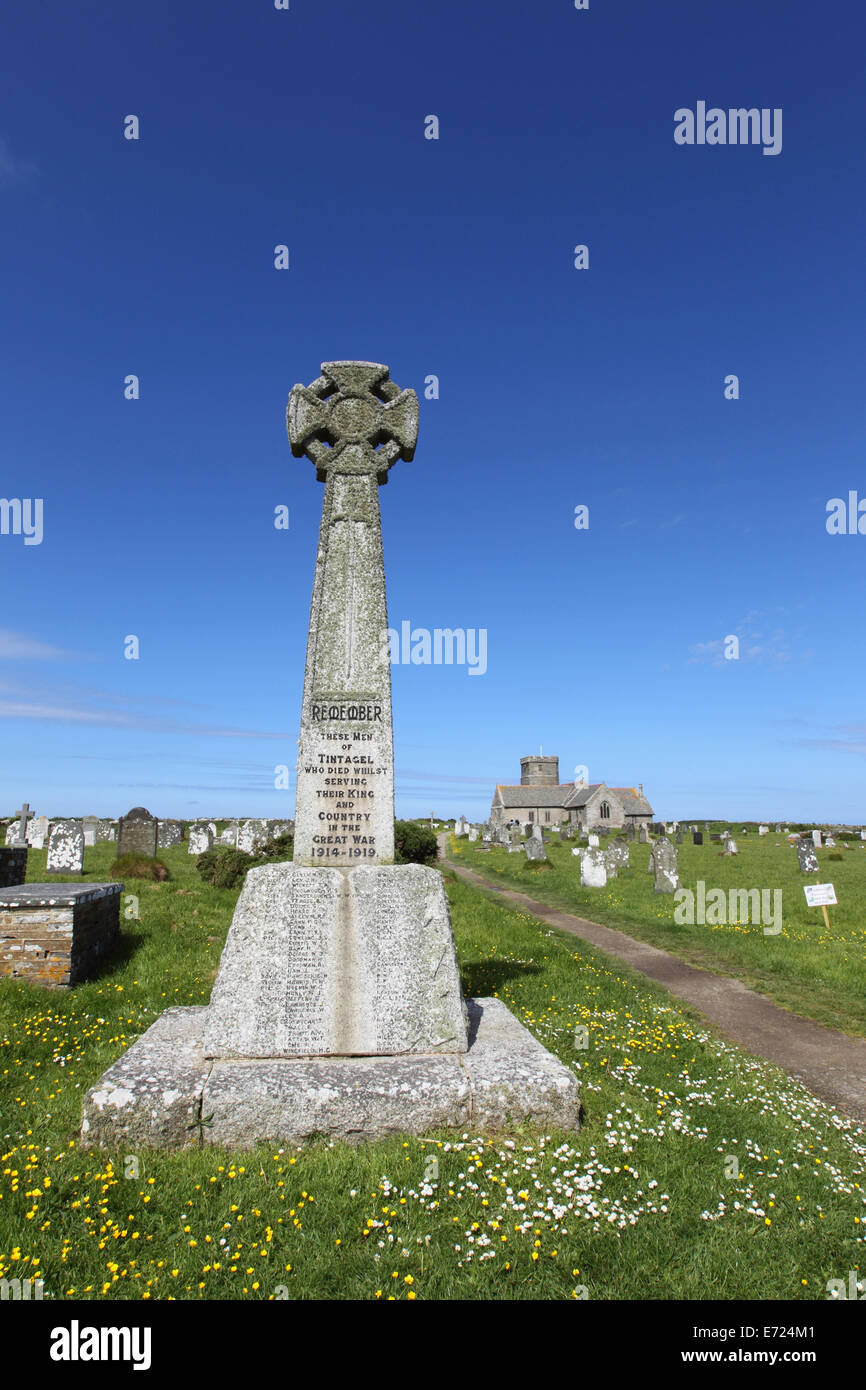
(57, 934)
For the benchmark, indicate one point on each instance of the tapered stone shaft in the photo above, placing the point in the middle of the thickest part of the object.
(354, 424)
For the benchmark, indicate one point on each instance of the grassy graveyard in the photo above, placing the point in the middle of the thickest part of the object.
(699, 1172)
(803, 967)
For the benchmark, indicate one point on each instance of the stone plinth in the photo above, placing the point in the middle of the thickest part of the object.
(57, 934)
(343, 962)
(165, 1093)
(13, 867)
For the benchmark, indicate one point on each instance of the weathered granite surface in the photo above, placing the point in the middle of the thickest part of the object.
(152, 1093)
(164, 1093)
(345, 962)
(344, 811)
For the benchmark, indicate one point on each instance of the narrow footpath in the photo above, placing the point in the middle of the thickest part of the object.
(830, 1064)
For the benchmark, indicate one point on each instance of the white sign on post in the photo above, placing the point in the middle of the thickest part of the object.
(820, 894)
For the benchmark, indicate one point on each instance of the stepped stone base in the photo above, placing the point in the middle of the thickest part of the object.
(164, 1092)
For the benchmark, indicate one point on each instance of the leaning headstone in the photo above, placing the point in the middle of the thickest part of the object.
(200, 839)
(665, 867)
(337, 1008)
(593, 869)
(807, 857)
(65, 848)
(137, 833)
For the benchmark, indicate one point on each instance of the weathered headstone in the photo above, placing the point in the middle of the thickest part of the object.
(816, 838)
(229, 835)
(830, 843)
(643, 833)
(137, 833)
(106, 831)
(629, 830)
(593, 842)
(37, 832)
(251, 836)
(697, 837)
(679, 835)
(593, 869)
(763, 829)
(807, 857)
(535, 849)
(516, 845)
(90, 826)
(665, 867)
(731, 846)
(473, 833)
(337, 1008)
(65, 848)
(200, 839)
(170, 833)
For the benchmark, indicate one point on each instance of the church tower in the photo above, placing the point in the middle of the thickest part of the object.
(539, 771)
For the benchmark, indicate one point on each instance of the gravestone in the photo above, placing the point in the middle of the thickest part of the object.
(16, 835)
(337, 1009)
(106, 831)
(90, 826)
(807, 857)
(535, 850)
(251, 837)
(816, 838)
(534, 832)
(779, 828)
(715, 839)
(593, 869)
(731, 846)
(170, 833)
(65, 848)
(200, 839)
(473, 833)
(665, 867)
(137, 833)
(229, 836)
(643, 833)
(679, 835)
(13, 867)
(697, 837)
(593, 841)
(37, 832)
(830, 843)
(763, 829)
(212, 828)
(629, 830)
(515, 846)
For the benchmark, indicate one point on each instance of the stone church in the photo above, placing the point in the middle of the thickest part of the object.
(541, 798)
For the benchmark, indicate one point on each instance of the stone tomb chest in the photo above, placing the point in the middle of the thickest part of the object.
(57, 934)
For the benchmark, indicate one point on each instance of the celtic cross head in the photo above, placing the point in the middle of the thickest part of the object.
(352, 419)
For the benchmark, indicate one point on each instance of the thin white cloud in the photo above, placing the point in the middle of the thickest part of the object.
(17, 646)
(13, 171)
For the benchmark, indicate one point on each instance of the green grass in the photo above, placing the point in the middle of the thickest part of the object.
(639, 1204)
(805, 968)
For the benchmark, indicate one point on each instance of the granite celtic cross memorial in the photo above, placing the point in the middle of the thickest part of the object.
(337, 1008)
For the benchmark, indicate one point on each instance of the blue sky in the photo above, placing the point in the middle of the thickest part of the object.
(558, 387)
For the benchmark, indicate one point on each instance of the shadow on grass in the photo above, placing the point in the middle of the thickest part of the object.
(481, 977)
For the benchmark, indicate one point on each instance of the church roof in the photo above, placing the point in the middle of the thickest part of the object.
(535, 796)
